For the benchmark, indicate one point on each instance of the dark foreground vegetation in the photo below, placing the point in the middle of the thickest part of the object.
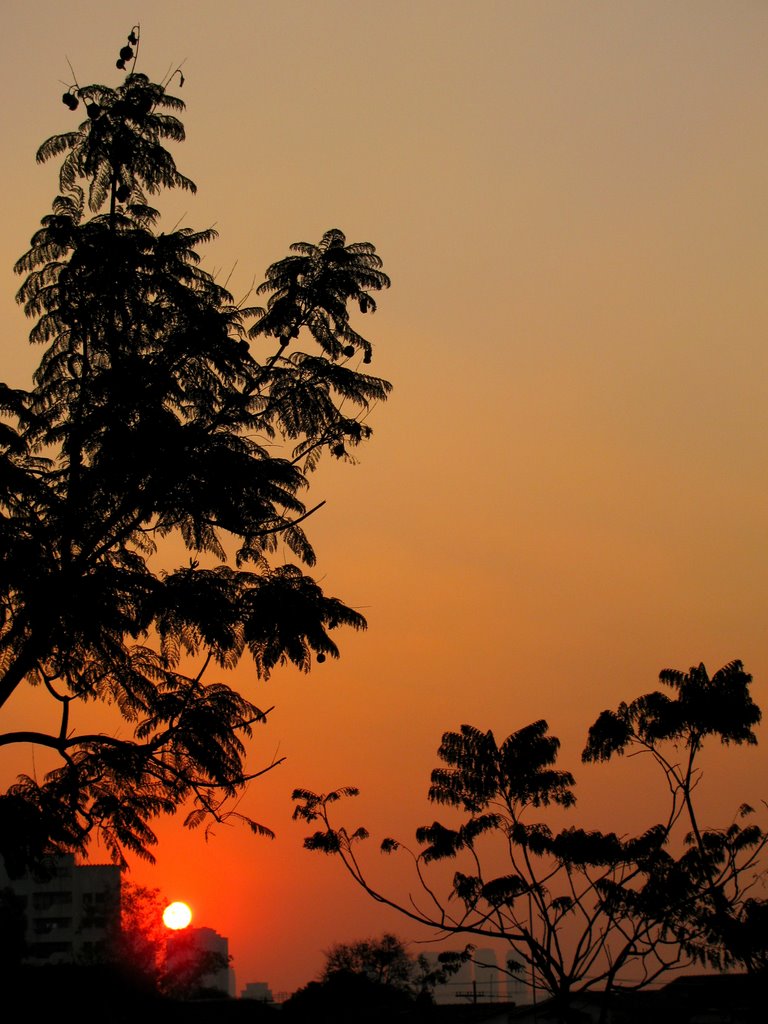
(70, 994)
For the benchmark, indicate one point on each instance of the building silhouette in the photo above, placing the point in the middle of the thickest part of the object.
(188, 944)
(70, 910)
(258, 990)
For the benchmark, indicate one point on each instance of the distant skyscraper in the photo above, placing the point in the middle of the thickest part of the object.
(189, 942)
(258, 990)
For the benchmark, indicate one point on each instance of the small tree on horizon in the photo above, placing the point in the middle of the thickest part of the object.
(162, 414)
(386, 961)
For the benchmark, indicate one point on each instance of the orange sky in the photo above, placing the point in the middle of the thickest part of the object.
(567, 491)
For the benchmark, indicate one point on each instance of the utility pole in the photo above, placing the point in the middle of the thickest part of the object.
(472, 996)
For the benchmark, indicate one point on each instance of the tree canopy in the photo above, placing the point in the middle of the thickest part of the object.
(581, 909)
(163, 418)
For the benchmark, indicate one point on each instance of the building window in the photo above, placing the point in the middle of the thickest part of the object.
(44, 950)
(46, 900)
(47, 925)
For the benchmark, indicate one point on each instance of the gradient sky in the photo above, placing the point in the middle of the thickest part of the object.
(567, 491)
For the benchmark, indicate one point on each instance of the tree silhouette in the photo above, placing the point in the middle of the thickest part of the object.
(706, 895)
(161, 413)
(581, 910)
(372, 979)
(137, 941)
(119, 149)
(384, 961)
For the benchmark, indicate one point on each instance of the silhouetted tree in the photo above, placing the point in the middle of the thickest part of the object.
(153, 419)
(371, 979)
(385, 961)
(138, 945)
(706, 894)
(150, 960)
(580, 910)
(188, 969)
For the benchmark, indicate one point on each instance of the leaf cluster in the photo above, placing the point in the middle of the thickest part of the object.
(700, 706)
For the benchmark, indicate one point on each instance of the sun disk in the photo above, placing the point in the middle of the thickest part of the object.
(177, 916)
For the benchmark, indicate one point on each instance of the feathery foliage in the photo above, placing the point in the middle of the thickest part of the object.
(582, 909)
(161, 412)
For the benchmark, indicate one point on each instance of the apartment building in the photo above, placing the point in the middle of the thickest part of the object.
(70, 913)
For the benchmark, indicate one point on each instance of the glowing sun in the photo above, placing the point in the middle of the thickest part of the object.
(177, 916)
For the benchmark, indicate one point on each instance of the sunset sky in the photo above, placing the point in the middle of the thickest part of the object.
(567, 491)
